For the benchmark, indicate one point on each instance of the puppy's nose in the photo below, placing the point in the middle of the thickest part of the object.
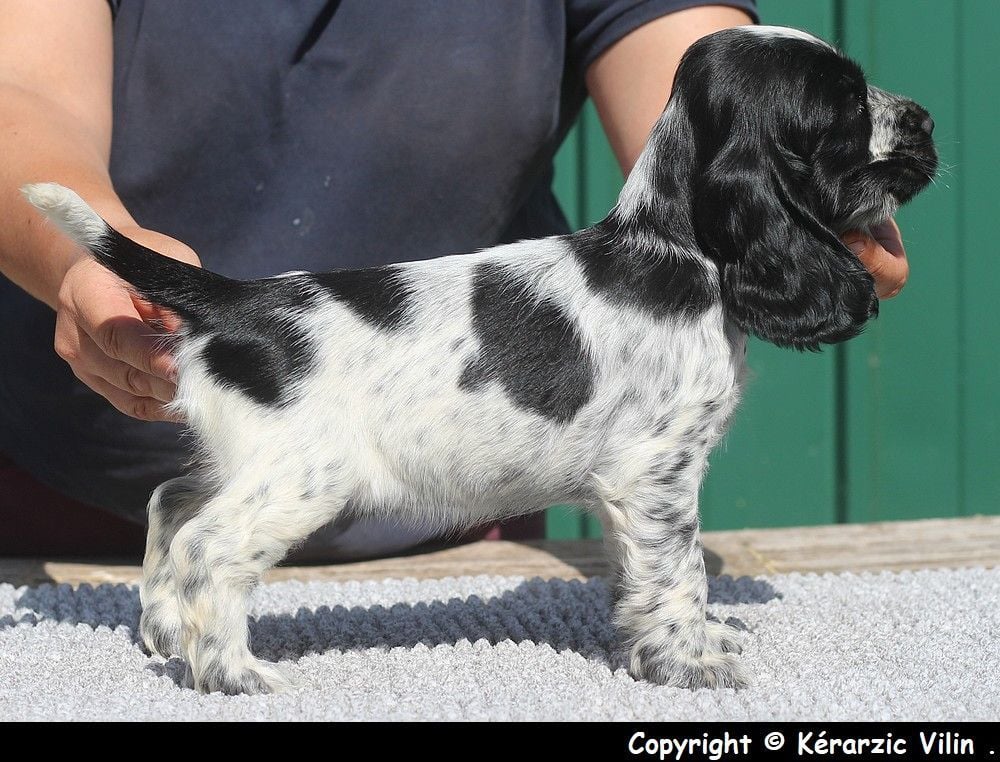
(919, 119)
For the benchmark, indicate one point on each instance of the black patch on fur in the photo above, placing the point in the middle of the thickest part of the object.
(177, 494)
(665, 480)
(196, 550)
(209, 643)
(652, 664)
(509, 475)
(662, 426)
(376, 294)
(255, 345)
(259, 495)
(252, 346)
(527, 345)
(163, 542)
(193, 584)
(311, 485)
(625, 271)
(258, 368)
(686, 532)
(163, 640)
(160, 576)
(683, 460)
(218, 678)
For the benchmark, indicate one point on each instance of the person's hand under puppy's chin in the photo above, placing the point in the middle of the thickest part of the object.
(881, 251)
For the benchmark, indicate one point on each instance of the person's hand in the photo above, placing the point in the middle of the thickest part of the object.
(881, 252)
(105, 333)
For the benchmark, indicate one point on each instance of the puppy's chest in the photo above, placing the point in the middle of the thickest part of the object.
(654, 376)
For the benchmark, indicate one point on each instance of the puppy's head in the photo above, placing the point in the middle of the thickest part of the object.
(790, 148)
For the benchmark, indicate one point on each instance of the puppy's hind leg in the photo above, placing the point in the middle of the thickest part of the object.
(661, 587)
(172, 504)
(218, 558)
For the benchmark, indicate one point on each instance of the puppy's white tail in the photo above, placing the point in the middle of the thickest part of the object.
(69, 213)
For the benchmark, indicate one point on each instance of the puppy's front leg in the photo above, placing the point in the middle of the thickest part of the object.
(661, 589)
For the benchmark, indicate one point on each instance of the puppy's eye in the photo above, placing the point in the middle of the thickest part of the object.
(862, 105)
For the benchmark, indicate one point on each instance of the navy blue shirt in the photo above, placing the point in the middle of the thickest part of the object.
(308, 135)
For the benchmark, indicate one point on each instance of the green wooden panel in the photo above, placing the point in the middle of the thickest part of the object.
(566, 183)
(777, 466)
(563, 522)
(977, 159)
(903, 381)
(602, 177)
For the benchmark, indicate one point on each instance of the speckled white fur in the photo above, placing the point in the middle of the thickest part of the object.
(381, 424)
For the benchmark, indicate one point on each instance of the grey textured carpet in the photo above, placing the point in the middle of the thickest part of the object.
(920, 646)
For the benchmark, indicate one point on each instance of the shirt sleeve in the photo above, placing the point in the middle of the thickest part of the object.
(595, 25)
(113, 5)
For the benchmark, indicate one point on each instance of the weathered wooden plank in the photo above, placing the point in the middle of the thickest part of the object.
(934, 543)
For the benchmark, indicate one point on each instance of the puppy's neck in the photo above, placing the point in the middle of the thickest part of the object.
(644, 254)
(656, 198)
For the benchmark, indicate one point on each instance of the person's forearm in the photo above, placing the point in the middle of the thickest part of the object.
(630, 82)
(42, 141)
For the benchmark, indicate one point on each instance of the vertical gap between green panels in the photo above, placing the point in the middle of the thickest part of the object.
(841, 475)
(583, 173)
(975, 162)
(960, 262)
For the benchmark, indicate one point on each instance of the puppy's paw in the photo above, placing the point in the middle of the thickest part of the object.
(710, 670)
(715, 665)
(160, 629)
(255, 678)
(721, 638)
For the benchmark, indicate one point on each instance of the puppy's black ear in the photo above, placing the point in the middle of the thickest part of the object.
(785, 276)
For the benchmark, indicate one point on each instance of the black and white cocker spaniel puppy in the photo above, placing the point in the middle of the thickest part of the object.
(596, 369)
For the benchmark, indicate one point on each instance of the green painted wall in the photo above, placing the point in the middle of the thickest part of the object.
(902, 422)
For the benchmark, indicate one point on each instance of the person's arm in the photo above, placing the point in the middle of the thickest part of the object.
(631, 80)
(55, 125)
